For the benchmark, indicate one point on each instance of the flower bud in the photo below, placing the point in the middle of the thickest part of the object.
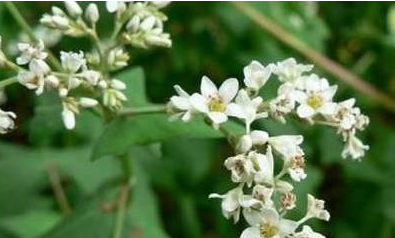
(88, 102)
(68, 118)
(52, 81)
(73, 8)
(283, 187)
(148, 23)
(63, 92)
(92, 13)
(244, 144)
(133, 24)
(118, 85)
(102, 84)
(60, 22)
(259, 137)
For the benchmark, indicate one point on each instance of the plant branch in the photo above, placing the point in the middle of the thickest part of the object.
(142, 110)
(4, 83)
(57, 188)
(28, 30)
(123, 196)
(324, 62)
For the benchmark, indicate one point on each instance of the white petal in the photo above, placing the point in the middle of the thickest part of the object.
(180, 102)
(228, 89)
(68, 119)
(199, 102)
(207, 87)
(287, 226)
(253, 217)
(218, 117)
(180, 91)
(271, 216)
(235, 110)
(305, 111)
(251, 232)
(328, 108)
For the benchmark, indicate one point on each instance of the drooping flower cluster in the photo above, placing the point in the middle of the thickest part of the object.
(82, 79)
(262, 196)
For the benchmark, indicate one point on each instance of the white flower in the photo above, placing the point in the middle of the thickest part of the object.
(256, 75)
(316, 208)
(263, 166)
(317, 97)
(287, 145)
(72, 62)
(246, 108)
(307, 232)
(261, 198)
(284, 102)
(73, 8)
(269, 224)
(115, 6)
(230, 203)
(213, 101)
(288, 201)
(92, 13)
(58, 20)
(354, 148)
(30, 52)
(92, 77)
(34, 78)
(289, 70)
(6, 121)
(183, 104)
(295, 166)
(241, 167)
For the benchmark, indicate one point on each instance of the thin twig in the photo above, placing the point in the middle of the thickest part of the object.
(143, 110)
(28, 30)
(122, 205)
(57, 188)
(4, 83)
(324, 62)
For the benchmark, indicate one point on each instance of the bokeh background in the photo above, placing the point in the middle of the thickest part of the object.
(175, 177)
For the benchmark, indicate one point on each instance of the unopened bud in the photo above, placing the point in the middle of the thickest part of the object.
(73, 8)
(92, 13)
(88, 102)
(244, 144)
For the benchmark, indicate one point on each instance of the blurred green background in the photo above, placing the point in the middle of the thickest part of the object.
(174, 177)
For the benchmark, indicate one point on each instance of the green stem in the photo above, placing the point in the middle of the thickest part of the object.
(4, 83)
(122, 205)
(123, 197)
(28, 30)
(142, 110)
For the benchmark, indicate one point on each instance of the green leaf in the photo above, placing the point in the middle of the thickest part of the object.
(135, 87)
(123, 132)
(31, 224)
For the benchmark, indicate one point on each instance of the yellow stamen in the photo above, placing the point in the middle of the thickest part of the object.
(268, 230)
(315, 101)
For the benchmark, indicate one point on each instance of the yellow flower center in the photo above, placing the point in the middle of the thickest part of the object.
(268, 230)
(315, 101)
(216, 105)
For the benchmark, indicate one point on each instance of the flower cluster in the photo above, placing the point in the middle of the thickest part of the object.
(82, 79)
(262, 196)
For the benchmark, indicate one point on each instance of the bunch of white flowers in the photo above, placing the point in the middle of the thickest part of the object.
(82, 79)
(261, 196)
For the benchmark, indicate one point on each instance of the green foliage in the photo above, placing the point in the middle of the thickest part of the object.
(175, 166)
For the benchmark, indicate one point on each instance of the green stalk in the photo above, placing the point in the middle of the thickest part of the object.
(123, 197)
(4, 83)
(142, 110)
(28, 30)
